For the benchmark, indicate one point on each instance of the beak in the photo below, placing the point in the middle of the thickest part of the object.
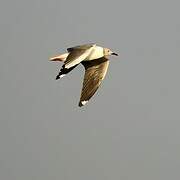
(114, 54)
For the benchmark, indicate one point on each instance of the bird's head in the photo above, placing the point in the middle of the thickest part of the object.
(108, 52)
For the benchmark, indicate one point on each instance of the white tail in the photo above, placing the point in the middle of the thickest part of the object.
(61, 57)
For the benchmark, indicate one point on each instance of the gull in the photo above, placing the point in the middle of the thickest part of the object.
(95, 60)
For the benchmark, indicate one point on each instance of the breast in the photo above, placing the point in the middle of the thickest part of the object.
(96, 53)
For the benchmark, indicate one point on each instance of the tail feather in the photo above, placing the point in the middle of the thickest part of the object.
(61, 57)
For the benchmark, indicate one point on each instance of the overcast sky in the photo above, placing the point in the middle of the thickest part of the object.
(130, 130)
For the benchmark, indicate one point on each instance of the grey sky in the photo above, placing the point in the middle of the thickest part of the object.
(129, 130)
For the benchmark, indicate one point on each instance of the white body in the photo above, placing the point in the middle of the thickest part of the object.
(97, 52)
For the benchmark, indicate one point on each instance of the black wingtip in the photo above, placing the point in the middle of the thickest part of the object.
(57, 77)
(82, 103)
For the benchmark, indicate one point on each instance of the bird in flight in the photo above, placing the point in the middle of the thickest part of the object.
(95, 61)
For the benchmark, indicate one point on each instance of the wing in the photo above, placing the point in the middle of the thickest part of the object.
(95, 72)
(82, 47)
(76, 55)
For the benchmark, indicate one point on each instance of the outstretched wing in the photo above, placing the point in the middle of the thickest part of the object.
(81, 47)
(77, 54)
(95, 72)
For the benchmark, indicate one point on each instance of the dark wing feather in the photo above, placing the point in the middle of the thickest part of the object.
(95, 72)
(81, 47)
